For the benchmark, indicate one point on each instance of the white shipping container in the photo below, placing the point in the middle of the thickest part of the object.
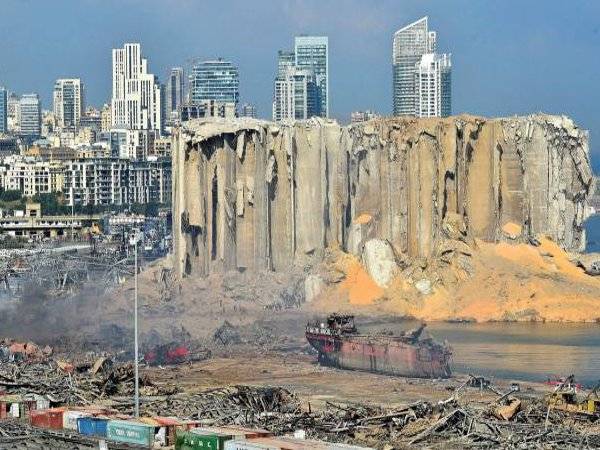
(347, 447)
(14, 410)
(70, 419)
(240, 444)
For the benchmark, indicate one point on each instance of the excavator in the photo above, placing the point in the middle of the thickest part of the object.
(564, 398)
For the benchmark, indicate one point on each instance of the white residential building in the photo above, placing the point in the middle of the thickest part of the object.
(131, 144)
(96, 181)
(32, 176)
(295, 96)
(433, 86)
(69, 102)
(136, 97)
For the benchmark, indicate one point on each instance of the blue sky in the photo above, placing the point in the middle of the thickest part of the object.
(509, 56)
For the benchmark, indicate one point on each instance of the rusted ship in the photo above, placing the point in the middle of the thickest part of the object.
(410, 354)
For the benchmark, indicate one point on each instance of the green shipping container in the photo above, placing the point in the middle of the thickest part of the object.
(190, 440)
(130, 432)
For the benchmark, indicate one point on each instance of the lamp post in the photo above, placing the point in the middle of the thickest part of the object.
(72, 212)
(134, 240)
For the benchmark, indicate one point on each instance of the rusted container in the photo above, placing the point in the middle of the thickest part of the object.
(47, 418)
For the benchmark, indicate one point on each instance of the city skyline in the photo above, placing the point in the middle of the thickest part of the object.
(361, 69)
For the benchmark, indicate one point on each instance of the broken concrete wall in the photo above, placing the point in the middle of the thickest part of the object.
(254, 195)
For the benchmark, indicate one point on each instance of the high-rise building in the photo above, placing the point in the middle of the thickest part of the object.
(3, 111)
(216, 80)
(136, 94)
(105, 118)
(68, 102)
(411, 44)
(312, 53)
(248, 110)
(285, 60)
(296, 95)
(14, 113)
(433, 86)
(175, 90)
(30, 116)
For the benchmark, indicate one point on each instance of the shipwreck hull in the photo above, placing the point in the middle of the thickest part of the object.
(386, 356)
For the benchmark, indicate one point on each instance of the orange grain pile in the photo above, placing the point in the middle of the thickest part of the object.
(361, 288)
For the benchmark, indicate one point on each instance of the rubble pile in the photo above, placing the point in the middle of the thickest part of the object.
(511, 421)
(63, 383)
(233, 404)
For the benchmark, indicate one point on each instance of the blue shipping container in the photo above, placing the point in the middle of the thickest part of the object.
(92, 426)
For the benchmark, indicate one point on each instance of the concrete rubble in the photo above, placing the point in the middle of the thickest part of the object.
(254, 195)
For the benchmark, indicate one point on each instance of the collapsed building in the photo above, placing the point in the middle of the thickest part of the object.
(254, 195)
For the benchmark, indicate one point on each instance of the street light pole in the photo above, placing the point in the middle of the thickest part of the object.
(72, 211)
(135, 328)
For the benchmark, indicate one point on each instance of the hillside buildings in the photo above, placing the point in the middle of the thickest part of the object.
(421, 77)
(69, 105)
(136, 94)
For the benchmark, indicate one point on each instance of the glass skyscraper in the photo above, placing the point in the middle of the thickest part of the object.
(3, 110)
(312, 54)
(420, 75)
(216, 80)
(31, 116)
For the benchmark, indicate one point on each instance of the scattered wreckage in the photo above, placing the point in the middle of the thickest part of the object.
(411, 354)
(565, 398)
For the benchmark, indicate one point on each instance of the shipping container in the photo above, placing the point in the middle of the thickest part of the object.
(171, 425)
(70, 418)
(243, 444)
(346, 447)
(92, 426)
(199, 440)
(285, 443)
(238, 433)
(130, 432)
(47, 418)
(41, 402)
(25, 407)
(10, 406)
